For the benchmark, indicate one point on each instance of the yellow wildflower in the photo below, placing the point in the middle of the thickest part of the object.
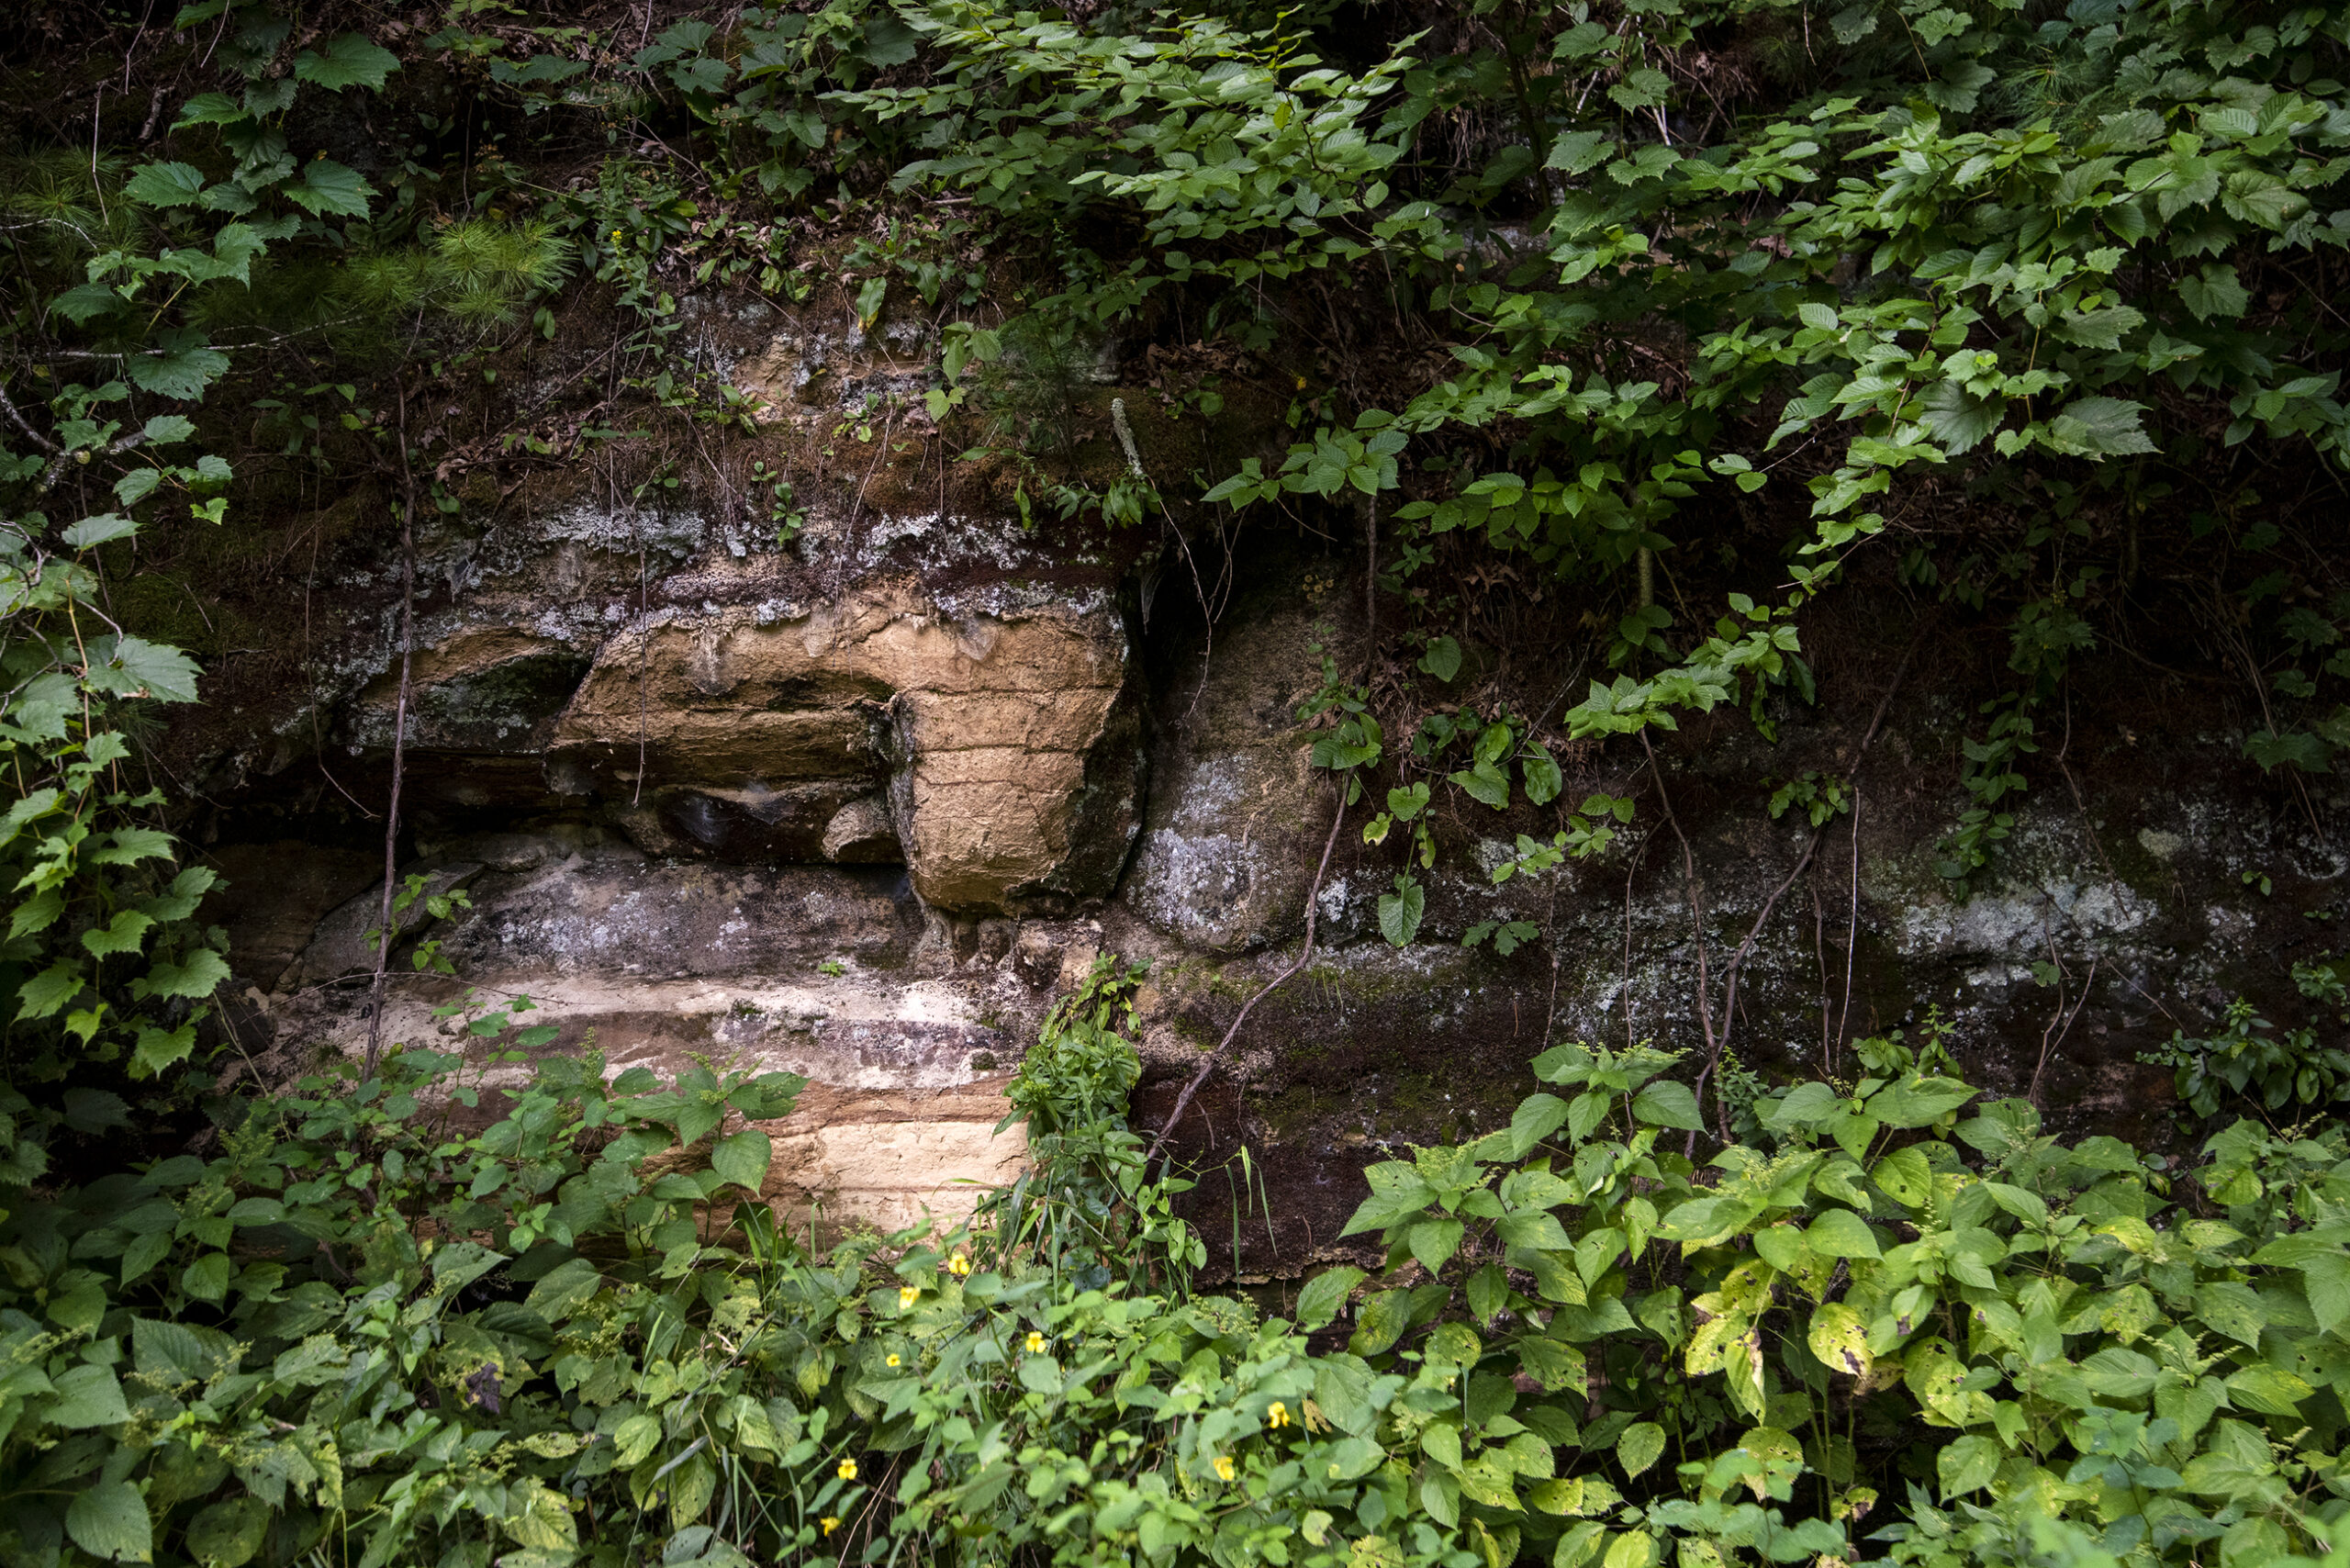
(1035, 1343)
(907, 1297)
(830, 1524)
(1277, 1415)
(1223, 1467)
(893, 1357)
(848, 1471)
(958, 1265)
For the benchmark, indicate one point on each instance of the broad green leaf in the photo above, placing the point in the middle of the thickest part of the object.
(1641, 1446)
(1905, 1177)
(743, 1158)
(1968, 1464)
(564, 1289)
(1325, 1296)
(1665, 1103)
(181, 365)
(1380, 1321)
(1840, 1339)
(1434, 1241)
(329, 189)
(1917, 1101)
(110, 1521)
(348, 61)
(165, 184)
(1839, 1232)
(87, 1396)
(1400, 912)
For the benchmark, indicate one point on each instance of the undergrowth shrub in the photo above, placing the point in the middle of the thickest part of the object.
(426, 1318)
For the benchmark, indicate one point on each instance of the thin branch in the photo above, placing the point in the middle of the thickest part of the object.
(399, 744)
(1312, 906)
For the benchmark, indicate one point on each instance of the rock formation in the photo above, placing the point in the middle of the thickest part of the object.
(862, 805)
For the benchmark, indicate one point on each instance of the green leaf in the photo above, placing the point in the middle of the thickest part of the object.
(1434, 1241)
(2100, 427)
(124, 934)
(43, 995)
(208, 1278)
(229, 1534)
(181, 365)
(165, 184)
(1400, 912)
(87, 301)
(1664, 1103)
(1641, 1446)
(1380, 1321)
(159, 1048)
(1323, 1295)
(1906, 1177)
(329, 189)
(1841, 1233)
(109, 1522)
(1536, 1118)
(350, 60)
(1968, 1464)
(1917, 1102)
(743, 1158)
(1442, 658)
(88, 1396)
(198, 978)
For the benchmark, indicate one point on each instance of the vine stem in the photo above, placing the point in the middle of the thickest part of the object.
(399, 747)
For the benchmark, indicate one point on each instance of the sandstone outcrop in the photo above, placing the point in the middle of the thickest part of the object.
(1004, 737)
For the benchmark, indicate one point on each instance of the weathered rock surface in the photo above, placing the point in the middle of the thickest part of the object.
(863, 806)
(1004, 735)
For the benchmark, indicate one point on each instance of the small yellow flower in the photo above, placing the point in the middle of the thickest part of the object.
(893, 1360)
(830, 1524)
(1035, 1343)
(1277, 1415)
(907, 1297)
(848, 1471)
(958, 1265)
(1223, 1467)
(1301, 383)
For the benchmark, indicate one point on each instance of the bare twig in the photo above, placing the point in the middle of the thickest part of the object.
(399, 744)
(1697, 927)
(1312, 907)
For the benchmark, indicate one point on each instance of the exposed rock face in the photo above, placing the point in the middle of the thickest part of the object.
(1010, 757)
(1236, 819)
(863, 807)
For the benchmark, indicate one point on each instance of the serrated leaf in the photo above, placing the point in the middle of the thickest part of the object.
(329, 189)
(228, 1533)
(199, 977)
(106, 527)
(126, 932)
(743, 1158)
(1434, 1241)
(180, 366)
(1323, 1295)
(1641, 1446)
(1841, 1233)
(2100, 427)
(87, 1396)
(165, 184)
(348, 60)
(87, 301)
(109, 1522)
(1664, 1103)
